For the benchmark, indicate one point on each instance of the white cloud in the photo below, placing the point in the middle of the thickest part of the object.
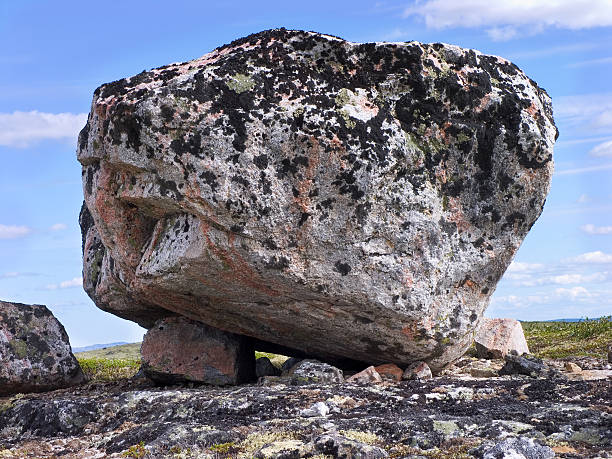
(75, 282)
(13, 232)
(512, 18)
(575, 293)
(518, 267)
(583, 170)
(21, 129)
(603, 149)
(583, 198)
(58, 227)
(12, 275)
(592, 229)
(563, 279)
(590, 112)
(603, 60)
(502, 33)
(553, 50)
(597, 257)
(519, 302)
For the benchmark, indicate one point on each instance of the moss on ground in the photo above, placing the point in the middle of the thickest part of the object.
(276, 359)
(101, 369)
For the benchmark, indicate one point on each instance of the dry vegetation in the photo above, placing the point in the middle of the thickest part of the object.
(546, 339)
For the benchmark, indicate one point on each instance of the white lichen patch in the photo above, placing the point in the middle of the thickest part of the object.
(356, 104)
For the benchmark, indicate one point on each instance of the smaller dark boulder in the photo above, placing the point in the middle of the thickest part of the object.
(523, 365)
(264, 367)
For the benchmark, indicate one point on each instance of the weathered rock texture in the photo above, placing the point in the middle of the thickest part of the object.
(343, 199)
(446, 417)
(495, 338)
(177, 349)
(35, 353)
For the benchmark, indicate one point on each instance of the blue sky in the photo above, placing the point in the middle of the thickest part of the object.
(57, 52)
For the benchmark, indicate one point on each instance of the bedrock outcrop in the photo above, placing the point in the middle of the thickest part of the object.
(346, 200)
(35, 353)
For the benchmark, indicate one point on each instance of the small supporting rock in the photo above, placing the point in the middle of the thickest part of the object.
(390, 371)
(177, 349)
(367, 376)
(34, 351)
(572, 367)
(418, 370)
(495, 338)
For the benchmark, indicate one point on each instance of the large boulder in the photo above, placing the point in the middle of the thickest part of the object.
(35, 353)
(346, 200)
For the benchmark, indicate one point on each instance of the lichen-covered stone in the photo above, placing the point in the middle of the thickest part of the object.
(177, 349)
(367, 376)
(35, 353)
(346, 200)
(517, 448)
(417, 370)
(313, 372)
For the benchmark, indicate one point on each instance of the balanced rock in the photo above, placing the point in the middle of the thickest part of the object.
(177, 349)
(341, 199)
(495, 338)
(34, 351)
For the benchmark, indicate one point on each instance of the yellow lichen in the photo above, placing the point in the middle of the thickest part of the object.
(360, 436)
(256, 440)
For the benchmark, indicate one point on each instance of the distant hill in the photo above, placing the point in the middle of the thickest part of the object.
(93, 347)
(128, 351)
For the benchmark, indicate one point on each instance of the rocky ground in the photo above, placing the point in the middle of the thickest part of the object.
(465, 412)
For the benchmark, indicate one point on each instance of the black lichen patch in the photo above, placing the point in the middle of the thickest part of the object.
(342, 268)
(261, 161)
(125, 122)
(210, 179)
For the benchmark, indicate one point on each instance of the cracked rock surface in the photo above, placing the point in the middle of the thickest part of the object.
(341, 199)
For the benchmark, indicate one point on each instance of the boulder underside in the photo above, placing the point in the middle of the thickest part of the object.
(344, 200)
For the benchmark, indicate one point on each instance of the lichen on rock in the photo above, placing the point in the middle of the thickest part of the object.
(34, 351)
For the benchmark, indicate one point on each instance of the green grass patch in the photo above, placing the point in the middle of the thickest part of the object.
(124, 351)
(102, 369)
(276, 359)
(588, 338)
